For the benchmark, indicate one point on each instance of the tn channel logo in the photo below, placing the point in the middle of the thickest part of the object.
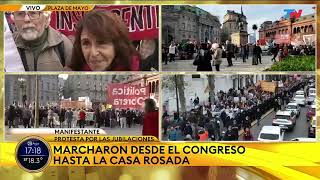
(292, 13)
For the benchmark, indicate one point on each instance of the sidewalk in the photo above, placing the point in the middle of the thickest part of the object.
(187, 65)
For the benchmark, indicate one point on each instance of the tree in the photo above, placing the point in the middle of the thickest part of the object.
(254, 28)
(224, 36)
(211, 85)
(171, 82)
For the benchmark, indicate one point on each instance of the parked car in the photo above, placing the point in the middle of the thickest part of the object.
(271, 133)
(294, 107)
(285, 118)
(299, 92)
(300, 99)
(311, 98)
(311, 112)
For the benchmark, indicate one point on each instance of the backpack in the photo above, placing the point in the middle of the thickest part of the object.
(58, 49)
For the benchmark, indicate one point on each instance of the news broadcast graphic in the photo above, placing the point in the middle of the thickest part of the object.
(33, 154)
(234, 38)
(57, 40)
(267, 108)
(120, 105)
(83, 91)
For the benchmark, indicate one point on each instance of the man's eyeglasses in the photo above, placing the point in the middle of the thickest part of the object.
(20, 15)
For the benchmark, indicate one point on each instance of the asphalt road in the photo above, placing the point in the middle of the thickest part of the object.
(300, 130)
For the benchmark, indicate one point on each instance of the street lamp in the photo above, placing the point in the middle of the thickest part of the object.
(22, 85)
(177, 98)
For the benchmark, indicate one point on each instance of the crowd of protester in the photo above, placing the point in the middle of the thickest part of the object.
(224, 118)
(206, 55)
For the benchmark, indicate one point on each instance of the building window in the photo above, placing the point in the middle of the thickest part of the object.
(183, 26)
(189, 36)
(153, 87)
(310, 28)
(157, 87)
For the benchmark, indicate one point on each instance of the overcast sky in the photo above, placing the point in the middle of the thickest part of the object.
(257, 14)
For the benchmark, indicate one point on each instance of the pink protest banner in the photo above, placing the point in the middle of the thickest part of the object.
(142, 21)
(125, 96)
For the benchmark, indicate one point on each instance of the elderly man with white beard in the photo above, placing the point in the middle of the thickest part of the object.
(41, 47)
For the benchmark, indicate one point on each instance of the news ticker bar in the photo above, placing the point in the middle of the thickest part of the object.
(164, 154)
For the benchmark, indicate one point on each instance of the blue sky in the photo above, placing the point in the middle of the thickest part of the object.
(257, 14)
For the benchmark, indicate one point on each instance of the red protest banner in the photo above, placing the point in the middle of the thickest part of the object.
(127, 95)
(142, 21)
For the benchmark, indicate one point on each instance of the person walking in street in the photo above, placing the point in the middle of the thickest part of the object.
(205, 57)
(172, 135)
(217, 55)
(247, 51)
(69, 116)
(228, 136)
(123, 119)
(82, 118)
(229, 52)
(256, 55)
(165, 123)
(258, 115)
(235, 131)
(51, 118)
(274, 51)
(97, 117)
(164, 54)
(26, 116)
(11, 116)
(247, 136)
(172, 51)
(62, 116)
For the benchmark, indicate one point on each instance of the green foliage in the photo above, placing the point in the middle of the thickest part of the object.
(295, 63)
(254, 27)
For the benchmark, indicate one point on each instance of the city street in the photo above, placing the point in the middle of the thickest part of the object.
(186, 65)
(300, 130)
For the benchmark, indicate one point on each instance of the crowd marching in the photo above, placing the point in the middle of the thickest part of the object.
(206, 55)
(225, 118)
(55, 117)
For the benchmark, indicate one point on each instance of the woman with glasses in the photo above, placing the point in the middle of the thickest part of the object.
(41, 47)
